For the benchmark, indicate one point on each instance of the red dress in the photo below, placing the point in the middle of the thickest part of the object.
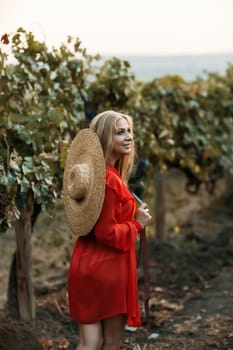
(102, 279)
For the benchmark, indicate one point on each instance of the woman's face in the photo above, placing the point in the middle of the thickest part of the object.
(122, 139)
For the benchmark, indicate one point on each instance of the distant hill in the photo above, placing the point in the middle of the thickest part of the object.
(189, 67)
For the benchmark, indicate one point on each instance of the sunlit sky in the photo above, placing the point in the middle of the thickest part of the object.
(128, 27)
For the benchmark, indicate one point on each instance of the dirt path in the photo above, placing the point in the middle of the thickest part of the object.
(206, 322)
(217, 298)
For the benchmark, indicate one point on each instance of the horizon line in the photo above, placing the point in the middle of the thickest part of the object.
(168, 54)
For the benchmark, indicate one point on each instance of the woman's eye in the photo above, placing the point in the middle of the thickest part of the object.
(121, 132)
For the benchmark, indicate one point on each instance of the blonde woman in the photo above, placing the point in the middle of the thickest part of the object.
(102, 281)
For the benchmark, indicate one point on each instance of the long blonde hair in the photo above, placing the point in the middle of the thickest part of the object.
(104, 124)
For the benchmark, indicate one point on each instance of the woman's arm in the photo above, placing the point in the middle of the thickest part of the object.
(109, 231)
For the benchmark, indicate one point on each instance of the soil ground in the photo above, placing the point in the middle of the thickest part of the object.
(191, 284)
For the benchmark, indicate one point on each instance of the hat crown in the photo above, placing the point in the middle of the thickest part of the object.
(78, 182)
(84, 182)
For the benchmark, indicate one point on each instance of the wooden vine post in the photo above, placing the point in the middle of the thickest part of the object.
(23, 231)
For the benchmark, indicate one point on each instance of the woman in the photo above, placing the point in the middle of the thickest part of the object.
(102, 281)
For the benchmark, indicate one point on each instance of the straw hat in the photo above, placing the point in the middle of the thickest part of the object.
(84, 182)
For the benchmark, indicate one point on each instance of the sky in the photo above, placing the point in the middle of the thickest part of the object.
(126, 27)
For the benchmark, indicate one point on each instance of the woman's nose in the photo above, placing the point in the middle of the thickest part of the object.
(128, 137)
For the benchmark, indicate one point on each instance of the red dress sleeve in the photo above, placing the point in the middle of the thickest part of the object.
(115, 227)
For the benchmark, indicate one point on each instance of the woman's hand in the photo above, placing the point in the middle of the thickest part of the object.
(143, 215)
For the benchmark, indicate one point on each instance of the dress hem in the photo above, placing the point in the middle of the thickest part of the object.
(129, 321)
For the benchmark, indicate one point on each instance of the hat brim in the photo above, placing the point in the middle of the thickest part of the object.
(82, 216)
